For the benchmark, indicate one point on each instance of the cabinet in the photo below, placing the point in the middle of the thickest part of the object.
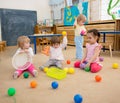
(107, 25)
(44, 29)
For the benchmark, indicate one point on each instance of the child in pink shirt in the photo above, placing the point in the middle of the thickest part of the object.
(91, 57)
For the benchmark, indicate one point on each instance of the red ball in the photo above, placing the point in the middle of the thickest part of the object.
(77, 64)
(68, 61)
(98, 78)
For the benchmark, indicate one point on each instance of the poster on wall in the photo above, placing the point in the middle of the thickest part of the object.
(114, 9)
(70, 13)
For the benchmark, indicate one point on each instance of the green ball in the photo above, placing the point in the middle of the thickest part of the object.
(87, 69)
(11, 91)
(26, 74)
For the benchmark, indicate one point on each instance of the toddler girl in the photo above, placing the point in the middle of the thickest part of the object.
(24, 47)
(91, 57)
(79, 32)
(55, 53)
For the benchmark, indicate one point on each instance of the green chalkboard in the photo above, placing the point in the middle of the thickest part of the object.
(15, 23)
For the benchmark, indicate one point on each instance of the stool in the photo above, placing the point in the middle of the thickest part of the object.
(1, 48)
(109, 44)
(2, 45)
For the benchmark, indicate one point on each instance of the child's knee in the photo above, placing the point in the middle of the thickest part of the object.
(95, 67)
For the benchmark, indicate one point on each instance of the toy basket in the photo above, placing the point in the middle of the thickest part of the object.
(21, 61)
(56, 73)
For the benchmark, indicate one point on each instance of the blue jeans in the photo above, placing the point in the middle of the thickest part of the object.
(79, 46)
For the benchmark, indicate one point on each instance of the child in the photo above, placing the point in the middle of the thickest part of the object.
(79, 32)
(91, 57)
(24, 46)
(64, 33)
(55, 53)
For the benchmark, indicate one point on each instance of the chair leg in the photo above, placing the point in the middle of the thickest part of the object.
(110, 49)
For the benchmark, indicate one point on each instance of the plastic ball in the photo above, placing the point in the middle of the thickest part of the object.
(54, 85)
(115, 66)
(82, 32)
(77, 64)
(26, 74)
(45, 69)
(33, 84)
(78, 98)
(11, 91)
(66, 70)
(98, 78)
(87, 69)
(82, 65)
(101, 59)
(71, 70)
(64, 33)
(68, 61)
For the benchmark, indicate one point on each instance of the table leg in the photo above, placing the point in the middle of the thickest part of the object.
(35, 45)
(104, 42)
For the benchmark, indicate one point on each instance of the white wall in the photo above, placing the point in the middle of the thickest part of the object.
(41, 6)
(104, 14)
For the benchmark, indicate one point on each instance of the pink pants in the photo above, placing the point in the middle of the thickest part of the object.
(94, 67)
(30, 70)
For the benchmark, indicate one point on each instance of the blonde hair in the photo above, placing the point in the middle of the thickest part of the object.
(81, 17)
(21, 40)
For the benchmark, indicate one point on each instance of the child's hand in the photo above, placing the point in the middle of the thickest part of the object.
(87, 65)
(26, 51)
(22, 51)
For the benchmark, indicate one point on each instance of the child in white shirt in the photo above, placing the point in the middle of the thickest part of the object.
(24, 47)
(55, 53)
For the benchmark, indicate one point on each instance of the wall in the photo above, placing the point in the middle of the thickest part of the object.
(41, 6)
(104, 14)
(98, 10)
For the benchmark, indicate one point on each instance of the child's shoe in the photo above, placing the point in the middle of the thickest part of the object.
(15, 75)
(35, 73)
(41, 68)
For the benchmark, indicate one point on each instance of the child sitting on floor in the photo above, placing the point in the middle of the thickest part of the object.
(91, 57)
(24, 47)
(55, 53)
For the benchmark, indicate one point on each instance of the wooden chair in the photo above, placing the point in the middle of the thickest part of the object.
(43, 42)
(109, 45)
(2, 45)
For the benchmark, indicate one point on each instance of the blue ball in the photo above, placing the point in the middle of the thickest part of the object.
(54, 85)
(78, 98)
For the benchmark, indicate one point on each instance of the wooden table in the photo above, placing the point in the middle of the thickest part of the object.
(35, 36)
(109, 32)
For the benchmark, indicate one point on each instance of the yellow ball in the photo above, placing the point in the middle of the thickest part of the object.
(64, 33)
(66, 70)
(71, 70)
(115, 66)
(45, 69)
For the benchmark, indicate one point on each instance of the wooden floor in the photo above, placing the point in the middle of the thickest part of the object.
(81, 82)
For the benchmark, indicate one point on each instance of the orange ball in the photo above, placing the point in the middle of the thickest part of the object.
(98, 78)
(33, 84)
(68, 61)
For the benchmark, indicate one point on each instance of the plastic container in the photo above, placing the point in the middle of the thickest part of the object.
(56, 73)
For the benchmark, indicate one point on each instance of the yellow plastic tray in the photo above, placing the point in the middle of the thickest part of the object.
(56, 73)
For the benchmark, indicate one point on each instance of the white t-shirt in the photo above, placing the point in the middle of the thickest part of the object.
(56, 53)
(30, 50)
